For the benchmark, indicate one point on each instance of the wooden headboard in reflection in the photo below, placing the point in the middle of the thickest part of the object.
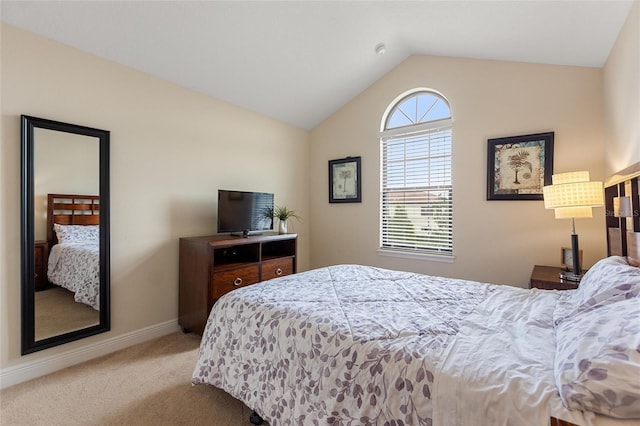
(71, 209)
(623, 233)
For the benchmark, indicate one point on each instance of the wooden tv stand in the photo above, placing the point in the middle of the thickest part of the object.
(212, 266)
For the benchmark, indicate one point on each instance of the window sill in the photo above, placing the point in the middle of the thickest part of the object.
(444, 258)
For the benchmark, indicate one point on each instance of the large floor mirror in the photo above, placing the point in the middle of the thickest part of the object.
(65, 233)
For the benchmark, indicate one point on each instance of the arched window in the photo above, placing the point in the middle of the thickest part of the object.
(416, 191)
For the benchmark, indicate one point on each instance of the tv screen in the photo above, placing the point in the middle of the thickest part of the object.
(244, 212)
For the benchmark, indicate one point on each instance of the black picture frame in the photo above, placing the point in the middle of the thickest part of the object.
(345, 183)
(519, 166)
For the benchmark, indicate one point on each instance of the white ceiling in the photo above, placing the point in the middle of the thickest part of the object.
(300, 61)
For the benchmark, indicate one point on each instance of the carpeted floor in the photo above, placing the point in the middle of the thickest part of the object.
(57, 313)
(146, 384)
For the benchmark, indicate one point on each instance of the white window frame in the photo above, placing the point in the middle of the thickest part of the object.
(422, 128)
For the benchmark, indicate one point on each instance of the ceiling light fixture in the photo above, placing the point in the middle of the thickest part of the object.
(381, 49)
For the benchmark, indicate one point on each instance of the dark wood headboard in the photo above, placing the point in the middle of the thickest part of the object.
(623, 233)
(71, 209)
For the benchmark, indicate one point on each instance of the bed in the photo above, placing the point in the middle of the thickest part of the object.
(359, 345)
(73, 235)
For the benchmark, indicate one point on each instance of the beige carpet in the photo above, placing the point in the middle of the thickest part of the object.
(57, 313)
(146, 384)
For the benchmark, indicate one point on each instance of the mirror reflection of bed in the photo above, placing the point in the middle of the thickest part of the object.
(69, 299)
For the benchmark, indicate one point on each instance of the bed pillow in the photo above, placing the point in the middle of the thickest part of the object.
(609, 280)
(77, 233)
(597, 364)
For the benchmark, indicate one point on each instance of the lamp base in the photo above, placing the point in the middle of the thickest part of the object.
(570, 276)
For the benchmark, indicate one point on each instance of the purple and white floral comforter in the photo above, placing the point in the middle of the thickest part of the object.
(76, 267)
(356, 345)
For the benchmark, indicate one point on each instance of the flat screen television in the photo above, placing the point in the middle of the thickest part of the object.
(243, 212)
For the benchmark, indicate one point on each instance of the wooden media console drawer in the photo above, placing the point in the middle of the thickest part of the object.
(225, 281)
(277, 268)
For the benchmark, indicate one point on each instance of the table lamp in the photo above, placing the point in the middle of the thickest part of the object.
(622, 207)
(572, 196)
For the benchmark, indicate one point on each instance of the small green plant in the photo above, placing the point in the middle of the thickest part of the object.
(280, 212)
(283, 213)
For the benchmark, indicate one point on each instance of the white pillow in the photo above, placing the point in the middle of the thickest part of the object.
(610, 280)
(597, 364)
(77, 233)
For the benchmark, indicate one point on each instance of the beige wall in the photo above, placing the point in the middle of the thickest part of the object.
(495, 241)
(622, 96)
(171, 149)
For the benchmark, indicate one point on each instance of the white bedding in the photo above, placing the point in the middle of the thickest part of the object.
(501, 364)
(76, 267)
(358, 345)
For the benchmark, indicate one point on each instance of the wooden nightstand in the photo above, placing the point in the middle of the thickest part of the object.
(548, 278)
(41, 257)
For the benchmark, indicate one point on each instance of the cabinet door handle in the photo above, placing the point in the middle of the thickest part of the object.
(278, 271)
(237, 281)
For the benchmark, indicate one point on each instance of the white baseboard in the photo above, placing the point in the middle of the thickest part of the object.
(30, 370)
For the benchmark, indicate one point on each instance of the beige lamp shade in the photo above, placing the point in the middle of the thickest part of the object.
(622, 207)
(569, 177)
(573, 212)
(572, 195)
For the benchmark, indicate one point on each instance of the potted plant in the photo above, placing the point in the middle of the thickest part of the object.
(283, 214)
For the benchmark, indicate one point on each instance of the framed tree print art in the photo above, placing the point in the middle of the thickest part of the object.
(344, 180)
(519, 166)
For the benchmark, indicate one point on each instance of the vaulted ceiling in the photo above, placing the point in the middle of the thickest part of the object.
(300, 61)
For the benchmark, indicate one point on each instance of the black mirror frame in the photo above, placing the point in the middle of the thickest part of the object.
(27, 202)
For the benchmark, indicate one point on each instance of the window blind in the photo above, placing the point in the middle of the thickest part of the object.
(416, 205)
